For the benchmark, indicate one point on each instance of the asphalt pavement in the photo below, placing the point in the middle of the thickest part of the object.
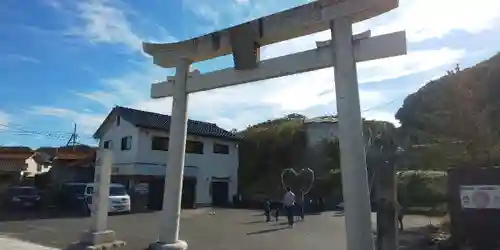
(201, 228)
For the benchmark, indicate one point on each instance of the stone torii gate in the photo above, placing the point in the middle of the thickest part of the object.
(244, 41)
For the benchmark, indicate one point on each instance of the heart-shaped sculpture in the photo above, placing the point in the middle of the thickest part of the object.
(298, 180)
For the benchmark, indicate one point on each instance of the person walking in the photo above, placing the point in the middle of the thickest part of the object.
(267, 210)
(289, 203)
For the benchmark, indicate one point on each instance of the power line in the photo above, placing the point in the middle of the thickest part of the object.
(379, 106)
(18, 130)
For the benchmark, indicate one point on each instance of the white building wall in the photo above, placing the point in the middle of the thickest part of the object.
(33, 168)
(115, 133)
(142, 160)
(207, 165)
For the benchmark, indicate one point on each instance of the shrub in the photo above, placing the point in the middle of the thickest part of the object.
(422, 188)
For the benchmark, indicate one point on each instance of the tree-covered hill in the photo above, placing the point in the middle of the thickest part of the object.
(455, 119)
(271, 146)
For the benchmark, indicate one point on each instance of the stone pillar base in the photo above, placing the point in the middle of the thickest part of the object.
(104, 240)
(179, 245)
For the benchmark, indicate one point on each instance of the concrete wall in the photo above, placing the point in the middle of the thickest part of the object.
(141, 160)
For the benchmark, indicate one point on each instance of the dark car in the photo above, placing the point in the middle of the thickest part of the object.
(23, 197)
(72, 196)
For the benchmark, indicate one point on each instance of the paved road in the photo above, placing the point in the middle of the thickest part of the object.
(227, 229)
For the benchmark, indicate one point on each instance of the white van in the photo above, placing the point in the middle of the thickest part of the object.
(119, 200)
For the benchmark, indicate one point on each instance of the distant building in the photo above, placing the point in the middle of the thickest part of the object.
(321, 128)
(139, 141)
(12, 165)
(63, 164)
(37, 163)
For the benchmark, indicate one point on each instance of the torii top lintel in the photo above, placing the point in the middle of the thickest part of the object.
(299, 21)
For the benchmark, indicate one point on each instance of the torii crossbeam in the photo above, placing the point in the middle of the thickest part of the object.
(244, 41)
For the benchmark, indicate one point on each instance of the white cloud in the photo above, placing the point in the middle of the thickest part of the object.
(428, 19)
(239, 106)
(5, 119)
(87, 122)
(414, 62)
(242, 1)
(53, 4)
(263, 100)
(382, 116)
(422, 19)
(104, 23)
(18, 58)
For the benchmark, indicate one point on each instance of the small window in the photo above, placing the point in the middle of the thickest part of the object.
(221, 149)
(107, 144)
(159, 143)
(194, 147)
(126, 143)
(118, 121)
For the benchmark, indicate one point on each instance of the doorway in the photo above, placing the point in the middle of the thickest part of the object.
(220, 193)
(157, 187)
(155, 194)
(188, 192)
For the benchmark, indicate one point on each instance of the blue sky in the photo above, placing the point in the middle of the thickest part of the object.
(69, 62)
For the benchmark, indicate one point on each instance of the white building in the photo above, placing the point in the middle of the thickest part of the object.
(35, 165)
(139, 141)
(321, 128)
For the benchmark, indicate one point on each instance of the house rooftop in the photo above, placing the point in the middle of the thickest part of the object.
(15, 153)
(144, 119)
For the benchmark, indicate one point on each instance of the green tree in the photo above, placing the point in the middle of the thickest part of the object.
(453, 120)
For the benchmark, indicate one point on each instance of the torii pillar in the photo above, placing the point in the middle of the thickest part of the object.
(244, 41)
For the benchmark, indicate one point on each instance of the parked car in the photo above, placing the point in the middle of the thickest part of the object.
(72, 196)
(23, 197)
(119, 200)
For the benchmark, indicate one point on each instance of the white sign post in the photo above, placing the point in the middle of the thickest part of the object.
(244, 41)
(99, 236)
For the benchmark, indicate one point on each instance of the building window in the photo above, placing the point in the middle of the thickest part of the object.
(194, 147)
(117, 121)
(107, 144)
(221, 149)
(126, 143)
(159, 143)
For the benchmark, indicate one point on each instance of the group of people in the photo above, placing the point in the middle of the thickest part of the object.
(295, 207)
(292, 206)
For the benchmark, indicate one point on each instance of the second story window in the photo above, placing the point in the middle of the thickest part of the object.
(194, 147)
(126, 143)
(159, 143)
(221, 149)
(107, 144)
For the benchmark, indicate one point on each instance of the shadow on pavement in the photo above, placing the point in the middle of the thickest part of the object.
(23, 215)
(253, 222)
(338, 214)
(267, 230)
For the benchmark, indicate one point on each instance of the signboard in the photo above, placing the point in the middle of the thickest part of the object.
(480, 196)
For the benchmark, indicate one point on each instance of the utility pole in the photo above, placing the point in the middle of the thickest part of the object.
(72, 138)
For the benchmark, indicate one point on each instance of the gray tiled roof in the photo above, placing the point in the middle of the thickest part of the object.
(158, 121)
